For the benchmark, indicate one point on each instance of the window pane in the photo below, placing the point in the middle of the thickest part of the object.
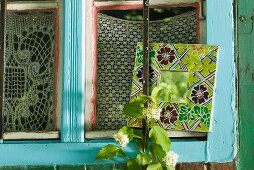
(117, 39)
(29, 71)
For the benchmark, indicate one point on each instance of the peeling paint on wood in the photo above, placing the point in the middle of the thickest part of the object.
(221, 145)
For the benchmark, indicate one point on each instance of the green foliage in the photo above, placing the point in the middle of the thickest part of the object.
(128, 131)
(162, 93)
(170, 168)
(140, 143)
(157, 152)
(141, 98)
(138, 133)
(155, 166)
(132, 164)
(152, 141)
(160, 137)
(110, 151)
(135, 109)
(144, 158)
(172, 87)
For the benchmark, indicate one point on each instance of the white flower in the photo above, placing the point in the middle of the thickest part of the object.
(154, 113)
(170, 159)
(121, 138)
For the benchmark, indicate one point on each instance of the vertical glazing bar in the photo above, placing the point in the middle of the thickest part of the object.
(72, 129)
(2, 52)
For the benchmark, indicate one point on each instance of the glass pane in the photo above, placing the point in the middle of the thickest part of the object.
(177, 80)
(118, 34)
(29, 71)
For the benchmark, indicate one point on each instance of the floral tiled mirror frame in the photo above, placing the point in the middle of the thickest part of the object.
(196, 59)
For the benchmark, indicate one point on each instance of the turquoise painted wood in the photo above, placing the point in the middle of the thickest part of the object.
(72, 129)
(220, 146)
(82, 153)
(246, 84)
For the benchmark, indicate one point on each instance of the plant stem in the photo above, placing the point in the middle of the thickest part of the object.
(146, 47)
(145, 131)
(145, 68)
(145, 64)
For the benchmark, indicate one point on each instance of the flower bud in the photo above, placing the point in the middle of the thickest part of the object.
(121, 138)
(170, 159)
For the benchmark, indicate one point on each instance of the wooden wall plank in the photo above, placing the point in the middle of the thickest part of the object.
(221, 166)
(246, 83)
(191, 166)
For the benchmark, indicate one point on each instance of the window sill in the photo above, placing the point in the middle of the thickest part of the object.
(31, 135)
(172, 134)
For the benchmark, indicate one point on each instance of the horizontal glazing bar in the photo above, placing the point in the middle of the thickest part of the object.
(31, 135)
(30, 5)
(173, 134)
(152, 2)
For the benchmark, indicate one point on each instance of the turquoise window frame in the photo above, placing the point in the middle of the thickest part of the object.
(220, 145)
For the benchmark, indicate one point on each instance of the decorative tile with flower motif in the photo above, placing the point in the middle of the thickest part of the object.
(200, 62)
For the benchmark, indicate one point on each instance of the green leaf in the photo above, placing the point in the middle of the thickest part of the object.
(133, 165)
(151, 122)
(141, 98)
(162, 93)
(128, 131)
(137, 133)
(140, 143)
(160, 137)
(155, 166)
(134, 110)
(156, 102)
(110, 151)
(170, 168)
(144, 158)
(157, 152)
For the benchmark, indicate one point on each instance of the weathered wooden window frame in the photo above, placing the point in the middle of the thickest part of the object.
(74, 149)
(118, 5)
(41, 6)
